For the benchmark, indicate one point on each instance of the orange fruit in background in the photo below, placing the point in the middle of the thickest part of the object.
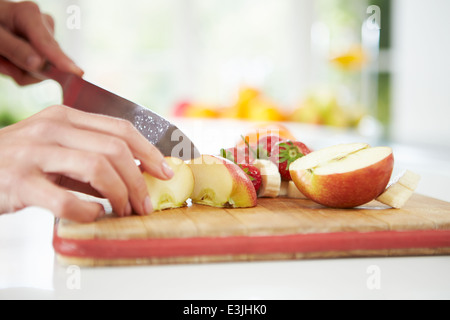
(245, 97)
(200, 111)
(264, 129)
(355, 58)
(262, 109)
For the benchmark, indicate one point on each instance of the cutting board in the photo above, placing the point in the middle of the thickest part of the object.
(278, 228)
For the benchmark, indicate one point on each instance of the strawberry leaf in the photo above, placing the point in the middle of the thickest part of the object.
(252, 150)
(247, 172)
(289, 152)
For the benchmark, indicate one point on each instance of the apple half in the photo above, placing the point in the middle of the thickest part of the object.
(173, 193)
(345, 175)
(221, 183)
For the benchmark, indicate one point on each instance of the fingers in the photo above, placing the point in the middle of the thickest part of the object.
(37, 191)
(49, 23)
(87, 167)
(26, 39)
(18, 51)
(37, 29)
(23, 186)
(55, 126)
(118, 155)
(21, 77)
(87, 151)
(151, 159)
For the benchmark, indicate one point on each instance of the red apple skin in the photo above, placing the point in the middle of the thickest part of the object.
(244, 193)
(346, 190)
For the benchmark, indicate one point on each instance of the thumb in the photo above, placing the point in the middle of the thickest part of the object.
(38, 191)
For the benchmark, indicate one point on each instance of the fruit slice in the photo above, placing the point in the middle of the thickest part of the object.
(221, 183)
(343, 176)
(286, 152)
(173, 193)
(293, 192)
(270, 178)
(398, 193)
(283, 188)
(288, 189)
(264, 129)
(253, 173)
(409, 179)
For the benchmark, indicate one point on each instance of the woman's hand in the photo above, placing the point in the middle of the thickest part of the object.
(63, 147)
(26, 42)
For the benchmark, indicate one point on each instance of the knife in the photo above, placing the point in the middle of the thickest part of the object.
(83, 95)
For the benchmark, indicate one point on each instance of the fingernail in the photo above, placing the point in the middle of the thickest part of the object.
(33, 62)
(148, 205)
(75, 69)
(128, 209)
(168, 172)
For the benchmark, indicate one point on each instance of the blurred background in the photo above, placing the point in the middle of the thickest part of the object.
(377, 67)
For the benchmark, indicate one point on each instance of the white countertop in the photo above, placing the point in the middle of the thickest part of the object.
(28, 269)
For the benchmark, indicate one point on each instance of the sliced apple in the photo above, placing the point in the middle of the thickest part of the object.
(221, 183)
(173, 193)
(345, 175)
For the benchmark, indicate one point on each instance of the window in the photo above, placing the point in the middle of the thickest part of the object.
(160, 52)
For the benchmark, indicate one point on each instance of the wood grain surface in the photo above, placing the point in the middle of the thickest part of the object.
(279, 228)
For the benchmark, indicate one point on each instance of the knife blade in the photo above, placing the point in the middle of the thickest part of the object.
(83, 95)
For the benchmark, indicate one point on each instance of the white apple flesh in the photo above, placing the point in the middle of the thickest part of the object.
(173, 193)
(343, 176)
(221, 183)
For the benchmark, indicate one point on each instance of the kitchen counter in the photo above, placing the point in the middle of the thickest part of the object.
(28, 269)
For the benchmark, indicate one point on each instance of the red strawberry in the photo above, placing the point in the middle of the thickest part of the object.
(249, 153)
(286, 152)
(253, 173)
(266, 144)
(238, 154)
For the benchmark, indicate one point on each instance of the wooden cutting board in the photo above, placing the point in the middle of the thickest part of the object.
(277, 228)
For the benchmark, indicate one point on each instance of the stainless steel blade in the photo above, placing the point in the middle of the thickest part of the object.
(83, 95)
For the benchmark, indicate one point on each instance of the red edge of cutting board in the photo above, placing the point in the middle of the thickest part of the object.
(234, 245)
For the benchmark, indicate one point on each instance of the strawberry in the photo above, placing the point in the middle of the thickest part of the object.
(238, 154)
(243, 157)
(266, 144)
(253, 173)
(284, 153)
